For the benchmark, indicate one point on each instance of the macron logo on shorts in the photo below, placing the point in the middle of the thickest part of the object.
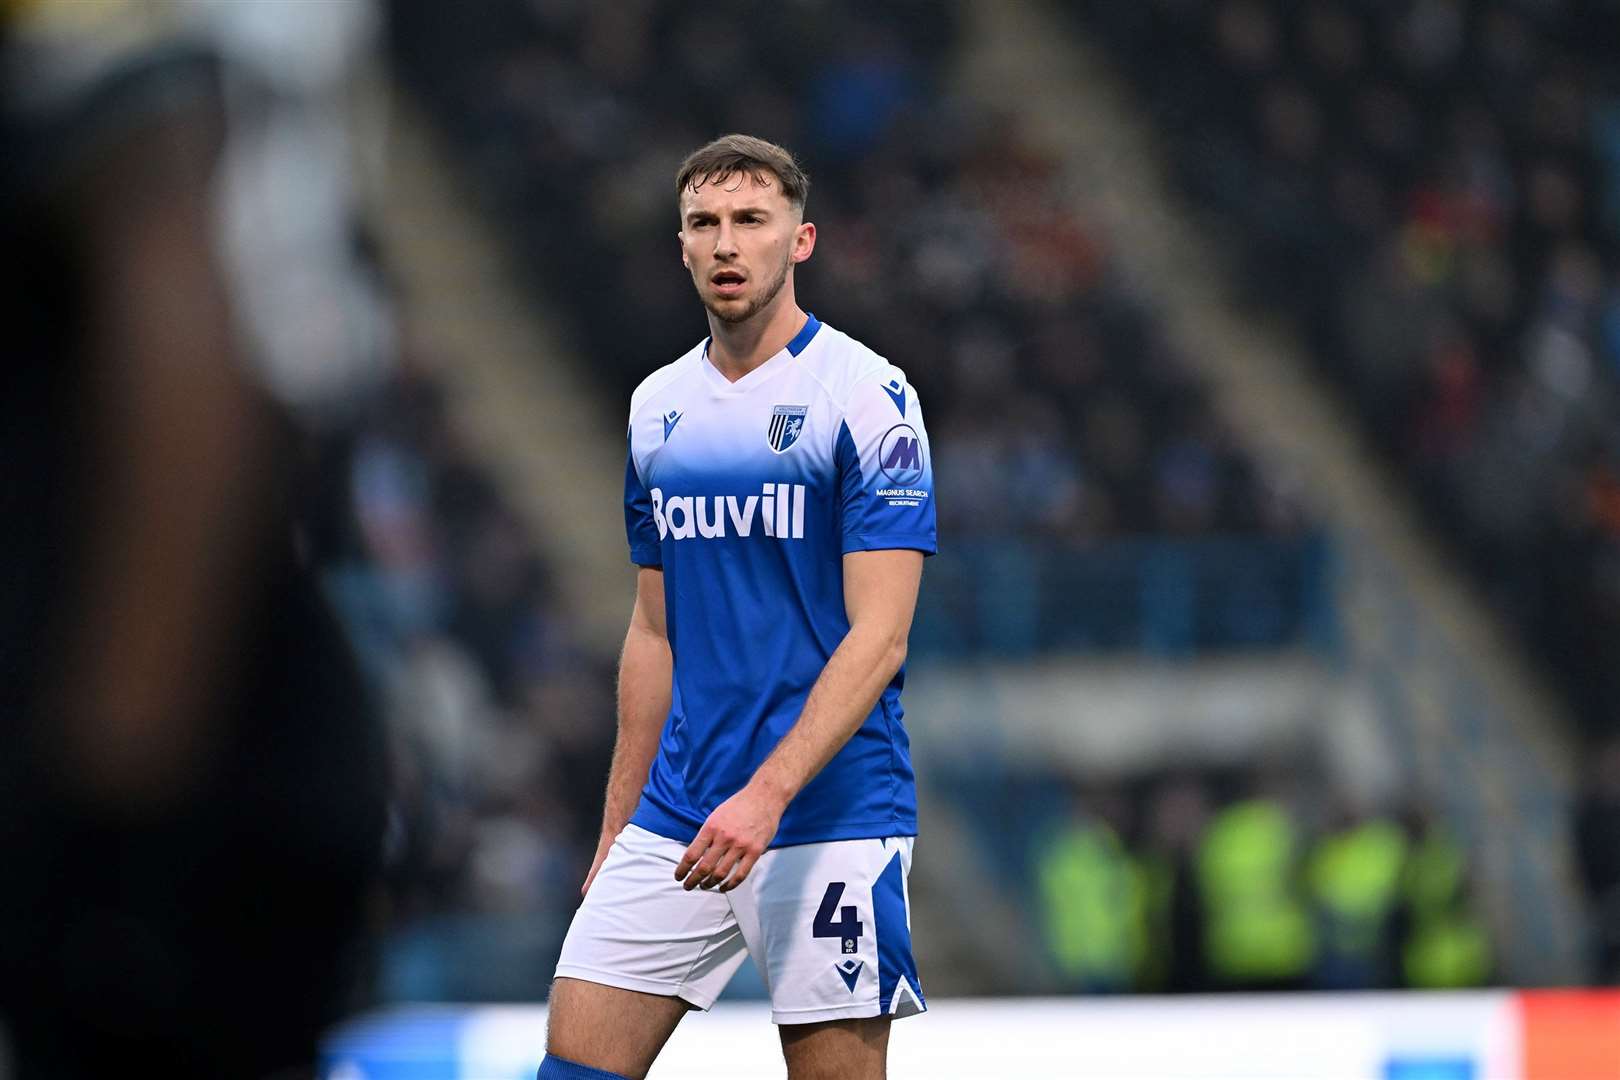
(778, 510)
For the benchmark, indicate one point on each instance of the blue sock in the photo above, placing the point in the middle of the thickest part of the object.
(556, 1068)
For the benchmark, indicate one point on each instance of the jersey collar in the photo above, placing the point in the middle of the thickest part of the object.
(800, 342)
(806, 332)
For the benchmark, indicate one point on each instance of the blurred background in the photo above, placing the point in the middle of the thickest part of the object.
(1270, 353)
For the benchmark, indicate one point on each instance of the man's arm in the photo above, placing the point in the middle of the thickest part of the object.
(880, 597)
(645, 672)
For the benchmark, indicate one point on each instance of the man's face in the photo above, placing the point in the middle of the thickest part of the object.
(739, 238)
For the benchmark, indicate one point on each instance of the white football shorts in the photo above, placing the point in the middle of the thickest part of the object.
(828, 924)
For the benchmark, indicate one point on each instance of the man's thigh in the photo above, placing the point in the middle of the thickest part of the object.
(837, 1049)
(604, 1027)
(640, 951)
(638, 929)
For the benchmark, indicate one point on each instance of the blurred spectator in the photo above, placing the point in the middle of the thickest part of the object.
(1354, 876)
(1259, 934)
(1093, 898)
(1177, 815)
(1444, 944)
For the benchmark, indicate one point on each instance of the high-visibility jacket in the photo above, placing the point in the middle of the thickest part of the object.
(1355, 881)
(1257, 927)
(1446, 945)
(1093, 907)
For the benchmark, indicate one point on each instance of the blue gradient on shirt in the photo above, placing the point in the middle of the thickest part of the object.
(752, 620)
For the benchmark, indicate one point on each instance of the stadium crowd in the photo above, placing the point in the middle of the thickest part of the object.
(1433, 189)
(501, 721)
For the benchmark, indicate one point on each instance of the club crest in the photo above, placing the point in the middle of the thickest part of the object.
(787, 424)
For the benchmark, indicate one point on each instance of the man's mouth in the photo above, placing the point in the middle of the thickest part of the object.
(727, 282)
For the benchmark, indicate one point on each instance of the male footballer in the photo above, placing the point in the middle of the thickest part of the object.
(779, 503)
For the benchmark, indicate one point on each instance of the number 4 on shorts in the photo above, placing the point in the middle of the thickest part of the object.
(848, 927)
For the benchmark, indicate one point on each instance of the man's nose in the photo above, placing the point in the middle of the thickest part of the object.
(724, 242)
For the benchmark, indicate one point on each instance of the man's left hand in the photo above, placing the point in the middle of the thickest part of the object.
(730, 842)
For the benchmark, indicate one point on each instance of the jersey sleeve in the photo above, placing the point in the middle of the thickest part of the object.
(885, 470)
(640, 528)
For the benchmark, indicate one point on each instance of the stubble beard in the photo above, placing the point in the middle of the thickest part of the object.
(759, 303)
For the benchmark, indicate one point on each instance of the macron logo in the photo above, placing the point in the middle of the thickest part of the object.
(778, 509)
(897, 394)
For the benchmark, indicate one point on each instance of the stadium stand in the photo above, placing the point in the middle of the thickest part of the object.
(1434, 194)
(501, 717)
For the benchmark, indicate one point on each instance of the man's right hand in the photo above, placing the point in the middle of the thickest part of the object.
(603, 846)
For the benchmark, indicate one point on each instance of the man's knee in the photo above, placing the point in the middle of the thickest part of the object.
(837, 1049)
(609, 1031)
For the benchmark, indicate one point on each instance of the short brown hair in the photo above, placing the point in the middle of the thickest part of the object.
(730, 155)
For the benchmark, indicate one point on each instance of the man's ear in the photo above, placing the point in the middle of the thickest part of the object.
(804, 241)
(680, 238)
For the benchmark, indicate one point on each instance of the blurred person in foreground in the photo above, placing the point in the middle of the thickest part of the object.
(761, 799)
(191, 774)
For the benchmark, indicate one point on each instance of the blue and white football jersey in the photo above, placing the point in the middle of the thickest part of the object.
(748, 494)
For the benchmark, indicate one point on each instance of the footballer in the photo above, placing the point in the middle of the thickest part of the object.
(779, 505)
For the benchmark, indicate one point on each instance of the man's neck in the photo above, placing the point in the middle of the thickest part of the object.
(735, 349)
